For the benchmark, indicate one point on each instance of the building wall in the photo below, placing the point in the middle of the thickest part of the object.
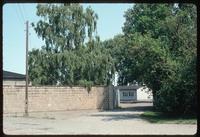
(13, 99)
(128, 96)
(144, 94)
(14, 82)
(54, 98)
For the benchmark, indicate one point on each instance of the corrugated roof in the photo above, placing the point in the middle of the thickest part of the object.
(12, 75)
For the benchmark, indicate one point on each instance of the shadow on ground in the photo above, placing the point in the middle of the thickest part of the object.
(126, 112)
(116, 117)
(136, 108)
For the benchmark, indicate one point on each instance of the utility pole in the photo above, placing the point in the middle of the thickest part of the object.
(26, 92)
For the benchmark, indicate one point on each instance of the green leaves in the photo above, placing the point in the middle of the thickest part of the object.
(157, 47)
(64, 27)
(67, 58)
(160, 47)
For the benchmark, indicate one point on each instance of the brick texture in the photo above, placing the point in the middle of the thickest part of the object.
(42, 99)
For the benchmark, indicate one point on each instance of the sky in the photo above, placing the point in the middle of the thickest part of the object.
(110, 23)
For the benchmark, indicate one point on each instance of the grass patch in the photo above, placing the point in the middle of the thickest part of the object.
(161, 118)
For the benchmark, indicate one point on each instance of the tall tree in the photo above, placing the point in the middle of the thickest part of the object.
(161, 46)
(65, 26)
(72, 53)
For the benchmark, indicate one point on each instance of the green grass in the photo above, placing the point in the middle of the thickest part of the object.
(161, 118)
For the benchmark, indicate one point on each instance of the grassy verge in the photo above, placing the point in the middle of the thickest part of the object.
(161, 118)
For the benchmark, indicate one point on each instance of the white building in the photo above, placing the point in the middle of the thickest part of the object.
(135, 93)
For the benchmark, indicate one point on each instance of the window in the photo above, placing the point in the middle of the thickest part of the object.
(125, 94)
(128, 93)
(131, 93)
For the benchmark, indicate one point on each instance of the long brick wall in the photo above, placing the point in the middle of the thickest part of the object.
(54, 98)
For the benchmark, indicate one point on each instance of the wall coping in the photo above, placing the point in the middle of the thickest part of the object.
(11, 86)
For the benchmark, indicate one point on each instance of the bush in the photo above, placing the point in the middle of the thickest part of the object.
(86, 84)
(178, 94)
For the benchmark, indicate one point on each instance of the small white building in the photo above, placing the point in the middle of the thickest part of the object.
(144, 94)
(135, 93)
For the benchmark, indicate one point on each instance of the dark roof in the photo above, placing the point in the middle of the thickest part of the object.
(12, 75)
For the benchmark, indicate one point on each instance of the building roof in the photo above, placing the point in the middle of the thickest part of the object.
(11, 75)
(128, 87)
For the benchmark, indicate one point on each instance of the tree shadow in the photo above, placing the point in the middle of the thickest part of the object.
(137, 108)
(117, 116)
(123, 113)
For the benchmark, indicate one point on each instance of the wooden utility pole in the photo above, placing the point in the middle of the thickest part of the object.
(26, 92)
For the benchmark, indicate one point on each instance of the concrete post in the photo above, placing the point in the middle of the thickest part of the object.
(115, 97)
(118, 98)
(111, 102)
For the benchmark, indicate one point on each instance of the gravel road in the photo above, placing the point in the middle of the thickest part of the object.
(118, 122)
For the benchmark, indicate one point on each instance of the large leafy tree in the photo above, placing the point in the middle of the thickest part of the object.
(116, 48)
(160, 51)
(65, 26)
(72, 53)
(173, 24)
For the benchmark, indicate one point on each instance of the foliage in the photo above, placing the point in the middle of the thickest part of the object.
(115, 47)
(161, 52)
(157, 48)
(178, 95)
(85, 83)
(67, 58)
(65, 26)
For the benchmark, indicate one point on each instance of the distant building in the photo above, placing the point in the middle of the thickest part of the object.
(12, 79)
(134, 93)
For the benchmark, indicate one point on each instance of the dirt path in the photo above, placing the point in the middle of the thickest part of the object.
(121, 121)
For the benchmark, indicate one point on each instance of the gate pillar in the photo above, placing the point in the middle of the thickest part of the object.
(111, 97)
(116, 97)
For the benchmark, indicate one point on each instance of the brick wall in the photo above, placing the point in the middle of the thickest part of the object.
(54, 98)
(13, 99)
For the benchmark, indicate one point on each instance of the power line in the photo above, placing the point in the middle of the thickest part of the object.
(30, 46)
(21, 12)
(23, 8)
(19, 17)
(24, 11)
